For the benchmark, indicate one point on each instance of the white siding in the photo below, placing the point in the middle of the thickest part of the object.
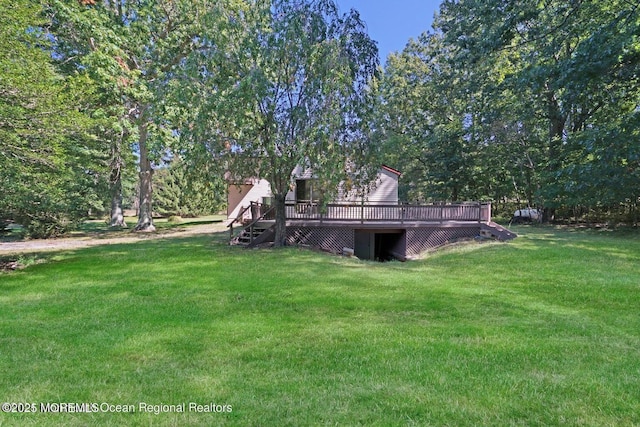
(385, 191)
(256, 193)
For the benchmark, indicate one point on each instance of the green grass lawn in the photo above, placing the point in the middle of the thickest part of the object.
(544, 330)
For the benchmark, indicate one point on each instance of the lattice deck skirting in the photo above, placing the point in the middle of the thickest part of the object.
(423, 239)
(414, 240)
(332, 239)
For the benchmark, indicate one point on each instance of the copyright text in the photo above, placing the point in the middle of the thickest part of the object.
(105, 407)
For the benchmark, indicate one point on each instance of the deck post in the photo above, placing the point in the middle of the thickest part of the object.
(485, 212)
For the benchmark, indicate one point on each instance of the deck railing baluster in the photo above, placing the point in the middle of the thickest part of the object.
(391, 213)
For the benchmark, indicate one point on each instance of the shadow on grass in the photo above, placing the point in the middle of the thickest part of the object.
(100, 229)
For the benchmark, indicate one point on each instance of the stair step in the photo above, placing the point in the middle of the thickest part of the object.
(497, 231)
(248, 237)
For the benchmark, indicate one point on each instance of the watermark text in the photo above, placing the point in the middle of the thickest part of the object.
(106, 407)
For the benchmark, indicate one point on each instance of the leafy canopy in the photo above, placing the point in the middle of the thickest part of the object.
(286, 85)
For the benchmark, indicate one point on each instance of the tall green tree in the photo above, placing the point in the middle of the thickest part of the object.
(187, 192)
(567, 69)
(51, 167)
(134, 50)
(290, 90)
(520, 100)
(427, 117)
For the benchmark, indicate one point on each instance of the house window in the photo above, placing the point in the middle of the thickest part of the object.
(305, 192)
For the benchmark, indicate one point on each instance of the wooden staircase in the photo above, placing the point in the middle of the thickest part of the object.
(496, 231)
(254, 235)
(259, 230)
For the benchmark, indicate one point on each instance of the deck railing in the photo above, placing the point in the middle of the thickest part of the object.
(480, 212)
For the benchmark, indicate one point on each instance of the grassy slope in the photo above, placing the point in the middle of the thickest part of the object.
(542, 331)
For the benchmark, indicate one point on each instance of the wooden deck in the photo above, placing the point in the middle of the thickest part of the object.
(402, 230)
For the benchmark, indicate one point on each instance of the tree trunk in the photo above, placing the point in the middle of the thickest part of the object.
(280, 239)
(117, 213)
(145, 215)
(557, 123)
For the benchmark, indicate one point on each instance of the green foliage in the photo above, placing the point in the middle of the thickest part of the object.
(508, 100)
(133, 51)
(289, 90)
(183, 194)
(52, 172)
(504, 100)
(432, 121)
(555, 56)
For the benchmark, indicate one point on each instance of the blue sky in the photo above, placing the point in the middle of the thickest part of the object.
(393, 22)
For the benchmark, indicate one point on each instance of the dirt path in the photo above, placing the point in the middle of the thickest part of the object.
(27, 246)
